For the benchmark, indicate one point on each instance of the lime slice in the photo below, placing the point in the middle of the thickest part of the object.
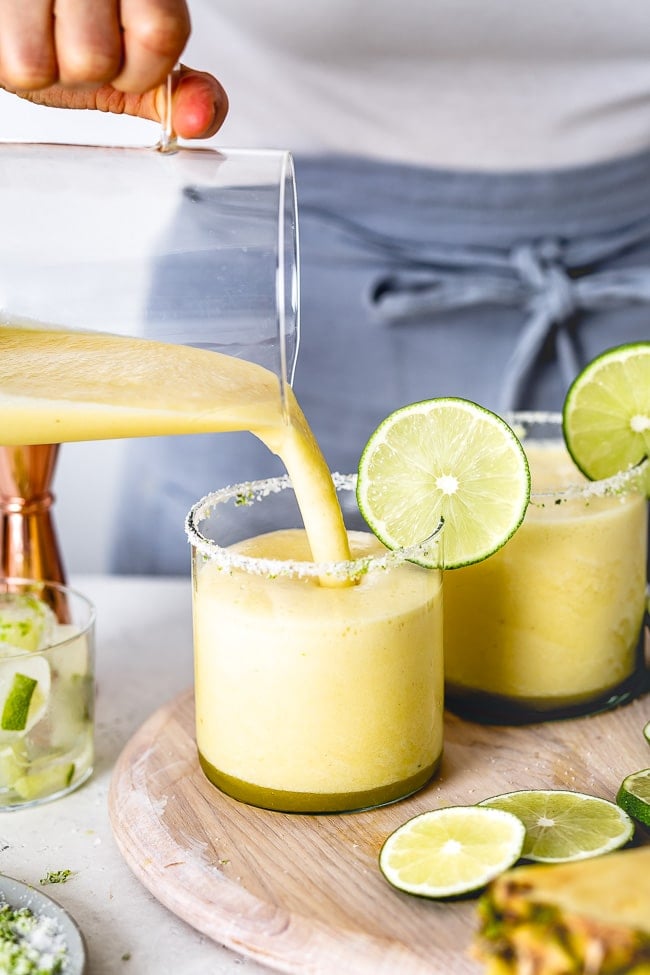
(563, 826)
(452, 851)
(17, 703)
(445, 459)
(24, 692)
(606, 416)
(646, 732)
(634, 795)
(46, 781)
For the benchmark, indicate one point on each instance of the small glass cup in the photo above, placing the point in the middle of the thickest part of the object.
(309, 697)
(551, 625)
(46, 695)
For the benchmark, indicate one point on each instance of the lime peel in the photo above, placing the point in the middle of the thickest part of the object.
(634, 795)
(17, 702)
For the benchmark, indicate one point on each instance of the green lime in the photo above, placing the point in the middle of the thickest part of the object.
(452, 851)
(17, 703)
(606, 416)
(563, 826)
(634, 795)
(47, 781)
(444, 459)
(24, 691)
(26, 622)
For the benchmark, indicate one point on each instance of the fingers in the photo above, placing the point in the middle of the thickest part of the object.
(199, 103)
(112, 55)
(155, 34)
(88, 46)
(131, 44)
(27, 51)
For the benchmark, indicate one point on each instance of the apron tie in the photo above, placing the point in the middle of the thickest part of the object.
(551, 280)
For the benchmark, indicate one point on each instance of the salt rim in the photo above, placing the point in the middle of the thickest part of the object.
(248, 492)
(615, 485)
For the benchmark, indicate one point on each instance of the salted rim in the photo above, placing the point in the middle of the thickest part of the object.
(251, 491)
(616, 484)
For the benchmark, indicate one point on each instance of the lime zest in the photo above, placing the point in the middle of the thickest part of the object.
(56, 877)
(26, 622)
(17, 702)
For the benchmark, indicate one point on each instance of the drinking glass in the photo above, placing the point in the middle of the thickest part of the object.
(46, 692)
(551, 625)
(311, 697)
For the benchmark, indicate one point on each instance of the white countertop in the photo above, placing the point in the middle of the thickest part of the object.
(144, 659)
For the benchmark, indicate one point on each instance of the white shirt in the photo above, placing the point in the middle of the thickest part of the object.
(488, 84)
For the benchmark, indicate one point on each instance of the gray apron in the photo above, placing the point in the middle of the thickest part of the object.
(418, 283)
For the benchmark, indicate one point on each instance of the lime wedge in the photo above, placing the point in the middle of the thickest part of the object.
(17, 703)
(634, 795)
(606, 416)
(444, 459)
(47, 781)
(26, 622)
(24, 691)
(452, 851)
(563, 826)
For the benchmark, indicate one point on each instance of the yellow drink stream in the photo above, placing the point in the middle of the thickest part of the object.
(58, 386)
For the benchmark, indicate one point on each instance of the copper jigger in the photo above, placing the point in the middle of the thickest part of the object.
(28, 542)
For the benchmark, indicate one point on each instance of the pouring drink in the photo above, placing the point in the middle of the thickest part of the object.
(91, 386)
(318, 689)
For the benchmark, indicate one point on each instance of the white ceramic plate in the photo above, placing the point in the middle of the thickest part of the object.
(18, 895)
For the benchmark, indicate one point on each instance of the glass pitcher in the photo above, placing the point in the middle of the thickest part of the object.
(195, 247)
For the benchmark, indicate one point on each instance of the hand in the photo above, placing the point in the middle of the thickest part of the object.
(112, 55)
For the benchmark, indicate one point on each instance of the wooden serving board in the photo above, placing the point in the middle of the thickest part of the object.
(303, 893)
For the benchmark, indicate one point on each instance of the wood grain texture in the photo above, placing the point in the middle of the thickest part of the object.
(303, 893)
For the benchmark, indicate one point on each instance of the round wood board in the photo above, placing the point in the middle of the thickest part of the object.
(303, 893)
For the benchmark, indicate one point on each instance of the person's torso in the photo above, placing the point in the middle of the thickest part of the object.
(452, 83)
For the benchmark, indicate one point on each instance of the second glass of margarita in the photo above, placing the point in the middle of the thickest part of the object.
(551, 624)
(319, 687)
